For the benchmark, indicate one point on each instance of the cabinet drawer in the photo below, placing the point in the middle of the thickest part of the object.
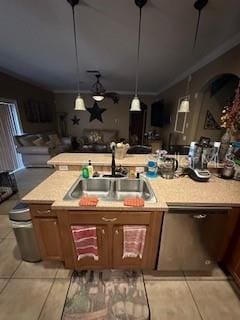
(117, 217)
(42, 210)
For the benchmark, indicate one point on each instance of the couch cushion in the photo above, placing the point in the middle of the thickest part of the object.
(54, 139)
(109, 135)
(39, 142)
(27, 140)
(94, 137)
(34, 150)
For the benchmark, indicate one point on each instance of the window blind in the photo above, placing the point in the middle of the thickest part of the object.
(9, 127)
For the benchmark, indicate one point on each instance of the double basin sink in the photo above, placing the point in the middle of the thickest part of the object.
(111, 189)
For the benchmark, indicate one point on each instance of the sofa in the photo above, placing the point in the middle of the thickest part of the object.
(96, 140)
(37, 149)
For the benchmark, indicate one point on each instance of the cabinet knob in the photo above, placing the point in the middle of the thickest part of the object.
(116, 232)
(200, 216)
(103, 231)
(109, 219)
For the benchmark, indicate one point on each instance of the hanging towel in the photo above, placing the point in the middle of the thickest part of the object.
(85, 240)
(133, 241)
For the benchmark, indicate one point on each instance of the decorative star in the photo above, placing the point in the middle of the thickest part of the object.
(75, 120)
(96, 112)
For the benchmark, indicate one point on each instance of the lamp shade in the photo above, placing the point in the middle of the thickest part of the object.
(184, 106)
(135, 105)
(79, 104)
(98, 97)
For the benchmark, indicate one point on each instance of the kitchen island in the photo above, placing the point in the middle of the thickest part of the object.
(53, 217)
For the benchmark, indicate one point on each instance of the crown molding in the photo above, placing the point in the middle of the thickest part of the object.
(222, 49)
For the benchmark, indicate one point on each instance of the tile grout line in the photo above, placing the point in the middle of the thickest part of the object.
(44, 303)
(48, 294)
(4, 287)
(16, 270)
(195, 302)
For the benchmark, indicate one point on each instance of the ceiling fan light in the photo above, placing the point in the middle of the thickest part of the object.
(80, 104)
(98, 97)
(184, 106)
(135, 105)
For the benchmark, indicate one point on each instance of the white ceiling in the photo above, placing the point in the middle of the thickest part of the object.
(36, 40)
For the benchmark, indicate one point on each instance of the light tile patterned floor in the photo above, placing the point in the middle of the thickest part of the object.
(37, 291)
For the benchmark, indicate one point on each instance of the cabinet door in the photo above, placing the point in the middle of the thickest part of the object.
(102, 250)
(123, 263)
(232, 259)
(47, 232)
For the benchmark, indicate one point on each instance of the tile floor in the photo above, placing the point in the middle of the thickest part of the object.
(37, 291)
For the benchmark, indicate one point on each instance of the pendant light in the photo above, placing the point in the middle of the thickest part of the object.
(185, 103)
(135, 104)
(79, 102)
(98, 89)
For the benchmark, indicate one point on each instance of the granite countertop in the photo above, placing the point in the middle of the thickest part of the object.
(98, 159)
(180, 191)
(105, 159)
(54, 188)
(184, 191)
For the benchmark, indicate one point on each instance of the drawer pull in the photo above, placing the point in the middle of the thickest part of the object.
(200, 216)
(103, 231)
(43, 211)
(109, 219)
(116, 232)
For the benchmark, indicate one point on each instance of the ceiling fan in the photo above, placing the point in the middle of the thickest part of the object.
(98, 91)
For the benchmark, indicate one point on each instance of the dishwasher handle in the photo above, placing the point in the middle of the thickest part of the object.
(197, 210)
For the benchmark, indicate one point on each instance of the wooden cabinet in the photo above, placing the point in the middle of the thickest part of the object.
(54, 235)
(232, 256)
(110, 238)
(46, 227)
(118, 261)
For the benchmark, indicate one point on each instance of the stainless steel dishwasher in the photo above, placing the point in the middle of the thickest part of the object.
(191, 238)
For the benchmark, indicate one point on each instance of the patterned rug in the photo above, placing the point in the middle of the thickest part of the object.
(106, 295)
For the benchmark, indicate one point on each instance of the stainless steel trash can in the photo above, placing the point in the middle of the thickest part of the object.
(22, 226)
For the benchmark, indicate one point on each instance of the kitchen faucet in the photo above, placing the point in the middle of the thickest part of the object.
(113, 161)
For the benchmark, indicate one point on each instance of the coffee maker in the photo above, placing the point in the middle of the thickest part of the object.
(198, 155)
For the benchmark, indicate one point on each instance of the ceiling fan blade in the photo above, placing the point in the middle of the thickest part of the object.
(112, 95)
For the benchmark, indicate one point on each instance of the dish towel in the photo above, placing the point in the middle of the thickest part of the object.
(85, 240)
(134, 202)
(133, 241)
(88, 201)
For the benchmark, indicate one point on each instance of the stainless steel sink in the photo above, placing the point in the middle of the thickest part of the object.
(133, 188)
(111, 189)
(91, 187)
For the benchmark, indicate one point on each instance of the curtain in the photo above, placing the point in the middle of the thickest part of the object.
(9, 127)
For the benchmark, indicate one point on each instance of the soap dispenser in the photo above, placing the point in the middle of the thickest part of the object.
(90, 169)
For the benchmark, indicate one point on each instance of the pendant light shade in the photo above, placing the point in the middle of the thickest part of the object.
(135, 105)
(184, 106)
(79, 104)
(98, 98)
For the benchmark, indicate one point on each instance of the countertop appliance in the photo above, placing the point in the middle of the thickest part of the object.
(199, 155)
(191, 238)
(168, 167)
(201, 175)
